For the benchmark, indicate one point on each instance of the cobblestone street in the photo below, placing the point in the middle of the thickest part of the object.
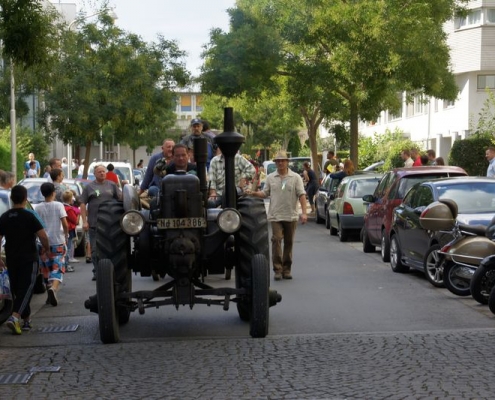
(445, 364)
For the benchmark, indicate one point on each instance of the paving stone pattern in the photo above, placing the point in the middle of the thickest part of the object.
(418, 365)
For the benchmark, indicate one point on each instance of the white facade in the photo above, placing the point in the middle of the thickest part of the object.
(437, 124)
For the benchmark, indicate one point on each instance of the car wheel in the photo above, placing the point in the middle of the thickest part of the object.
(433, 266)
(318, 219)
(367, 246)
(491, 300)
(333, 231)
(385, 247)
(396, 256)
(327, 220)
(343, 233)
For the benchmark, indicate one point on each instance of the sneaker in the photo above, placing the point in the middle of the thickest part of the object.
(26, 326)
(94, 277)
(73, 260)
(88, 260)
(52, 297)
(70, 268)
(277, 276)
(287, 275)
(14, 326)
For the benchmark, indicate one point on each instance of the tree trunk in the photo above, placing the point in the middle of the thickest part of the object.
(354, 119)
(87, 161)
(313, 122)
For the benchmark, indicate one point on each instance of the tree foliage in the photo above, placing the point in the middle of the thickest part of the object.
(107, 78)
(343, 60)
(470, 154)
(28, 31)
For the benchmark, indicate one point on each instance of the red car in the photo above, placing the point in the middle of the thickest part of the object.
(388, 195)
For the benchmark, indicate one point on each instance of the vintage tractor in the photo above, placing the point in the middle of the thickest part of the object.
(183, 241)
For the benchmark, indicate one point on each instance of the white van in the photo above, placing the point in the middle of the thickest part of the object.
(123, 169)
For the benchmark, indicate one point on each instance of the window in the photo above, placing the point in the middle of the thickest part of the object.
(425, 196)
(486, 82)
(380, 189)
(448, 103)
(472, 19)
(185, 103)
(490, 16)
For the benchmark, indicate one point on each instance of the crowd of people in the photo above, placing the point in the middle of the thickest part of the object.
(47, 235)
(413, 158)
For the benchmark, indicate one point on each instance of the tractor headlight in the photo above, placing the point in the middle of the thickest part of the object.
(229, 220)
(132, 222)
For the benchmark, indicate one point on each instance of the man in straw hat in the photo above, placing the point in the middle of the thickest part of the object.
(285, 188)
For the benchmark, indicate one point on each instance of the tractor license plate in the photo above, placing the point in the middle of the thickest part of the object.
(180, 223)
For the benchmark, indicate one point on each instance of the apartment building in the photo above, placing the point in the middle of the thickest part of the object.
(434, 123)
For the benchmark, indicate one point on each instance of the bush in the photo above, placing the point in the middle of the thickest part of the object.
(470, 154)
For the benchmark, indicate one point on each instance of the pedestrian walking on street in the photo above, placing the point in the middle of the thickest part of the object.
(54, 217)
(311, 184)
(95, 193)
(73, 215)
(21, 227)
(284, 188)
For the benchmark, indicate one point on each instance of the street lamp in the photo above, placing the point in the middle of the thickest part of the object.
(111, 12)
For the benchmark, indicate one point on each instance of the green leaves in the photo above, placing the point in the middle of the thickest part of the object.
(107, 78)
(27, 30)
(344, 60)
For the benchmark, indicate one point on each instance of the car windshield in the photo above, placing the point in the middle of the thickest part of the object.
(296, 165)
(407, 182)
(4, 204)
(360, 187)
(33, 191)
(472, 197)
(122, 172)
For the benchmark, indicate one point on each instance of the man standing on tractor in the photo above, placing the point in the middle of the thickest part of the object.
(285, 188)
(197, 132)
(151, 182)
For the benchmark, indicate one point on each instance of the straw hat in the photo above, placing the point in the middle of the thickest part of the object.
(281, 155)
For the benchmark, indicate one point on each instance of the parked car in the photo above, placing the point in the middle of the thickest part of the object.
(296, 164)
(328, 186)
(269, 167)
(411, 245)
(138, 175)
(388, 195)
(123, 169)
(346, 208)
(374, 166)
(322, 199)
(35, 197)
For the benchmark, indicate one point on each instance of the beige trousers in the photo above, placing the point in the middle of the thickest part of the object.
(282, 230)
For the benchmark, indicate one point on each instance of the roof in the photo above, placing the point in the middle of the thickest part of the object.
(429, 169)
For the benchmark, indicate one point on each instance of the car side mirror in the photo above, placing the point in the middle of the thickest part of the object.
(332, 196)
(136, 182)
(368, 198)
(419, 210)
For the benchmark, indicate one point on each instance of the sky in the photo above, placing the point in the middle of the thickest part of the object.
(187, 21)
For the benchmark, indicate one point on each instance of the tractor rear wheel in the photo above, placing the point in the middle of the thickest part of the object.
(112, 243)
(107, 313)
(258, 327)
(251, 239)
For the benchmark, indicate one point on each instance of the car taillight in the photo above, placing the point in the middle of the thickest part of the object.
(348, 208)
(446, 248)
